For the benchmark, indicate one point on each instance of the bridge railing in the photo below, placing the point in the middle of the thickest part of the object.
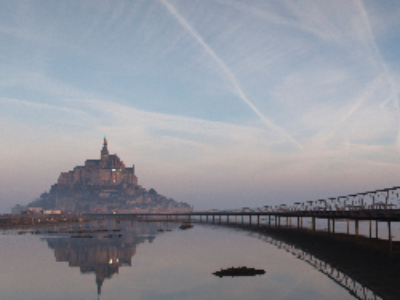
(372, 200)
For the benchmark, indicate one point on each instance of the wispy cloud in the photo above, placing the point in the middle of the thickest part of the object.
(160, 78)
(228, 73)
(26, 105)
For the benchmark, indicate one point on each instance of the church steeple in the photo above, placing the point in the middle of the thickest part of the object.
(104, 151)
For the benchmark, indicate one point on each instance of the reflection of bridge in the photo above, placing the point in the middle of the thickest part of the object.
(363, 272)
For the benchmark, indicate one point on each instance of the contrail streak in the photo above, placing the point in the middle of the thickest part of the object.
(360, 99)
(227, 72)
(384, 66)
(394, 90)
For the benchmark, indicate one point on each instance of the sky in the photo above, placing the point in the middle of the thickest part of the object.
(218, 103)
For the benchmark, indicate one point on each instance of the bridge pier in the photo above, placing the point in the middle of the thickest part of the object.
(313, 224)
(242, 219)
(356, 223)
(329, 226)
(258, 220)
(376, 229)
(269, 221)
(250, 220)
(390, 236)
(213, 218)
(348, 225)
(370, 229)
(333, 226)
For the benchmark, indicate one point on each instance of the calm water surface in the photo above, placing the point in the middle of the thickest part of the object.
(137, 261)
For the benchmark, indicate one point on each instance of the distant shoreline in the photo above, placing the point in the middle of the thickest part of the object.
(31, 221)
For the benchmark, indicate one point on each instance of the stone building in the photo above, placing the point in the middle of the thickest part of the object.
(109, 170)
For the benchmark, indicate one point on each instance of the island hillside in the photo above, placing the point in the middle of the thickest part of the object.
(104, 185)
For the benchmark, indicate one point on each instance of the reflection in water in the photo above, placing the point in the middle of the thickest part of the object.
(103, 251)
(366, 273)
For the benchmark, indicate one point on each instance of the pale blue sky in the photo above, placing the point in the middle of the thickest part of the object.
(219, 103)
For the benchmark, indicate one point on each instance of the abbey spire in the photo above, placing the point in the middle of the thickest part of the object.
(104, 151)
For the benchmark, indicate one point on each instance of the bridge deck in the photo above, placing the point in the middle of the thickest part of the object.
(365, 214)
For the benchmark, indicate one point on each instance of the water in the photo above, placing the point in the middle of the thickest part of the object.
(137, 261)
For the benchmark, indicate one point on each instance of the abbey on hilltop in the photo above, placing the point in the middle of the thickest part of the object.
(104, 185)
(108, 170)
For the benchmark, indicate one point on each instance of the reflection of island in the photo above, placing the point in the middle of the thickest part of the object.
(106, 251)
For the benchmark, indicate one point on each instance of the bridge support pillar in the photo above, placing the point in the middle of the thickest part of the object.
(287, 222)
(313, 224)
(370, 229)
(242, 219)
(356, 227)
(227, 219)
(250, 220)
(258, 220)
(333, 226)
(348, 226)
(207, 218)
(329, 226)
(279, 221)
(390, 236)
(213, 218)
(298, 223)
(301, 222)
(235, 219)
(376, 229)
(269, 221)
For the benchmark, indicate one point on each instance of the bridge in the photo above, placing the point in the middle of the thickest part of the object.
(365, 265)
(378, 206)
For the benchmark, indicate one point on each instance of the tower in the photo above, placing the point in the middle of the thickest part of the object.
(104, 151)
(104, 155)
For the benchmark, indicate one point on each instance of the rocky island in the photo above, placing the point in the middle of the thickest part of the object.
(103, 185)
